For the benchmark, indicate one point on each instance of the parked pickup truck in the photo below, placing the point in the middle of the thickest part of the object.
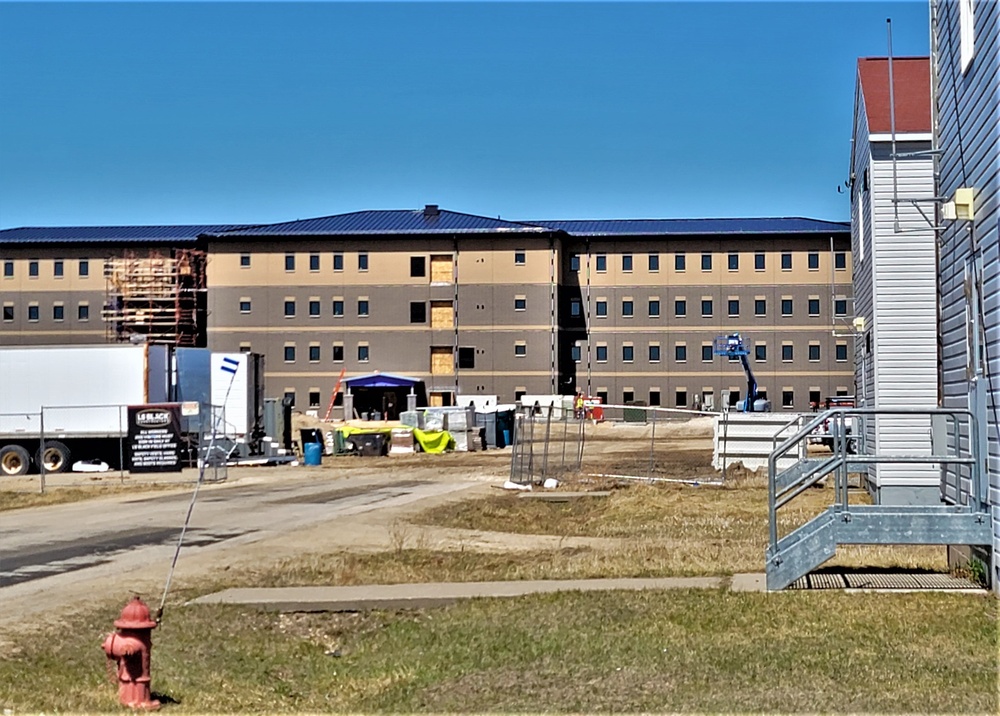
(827, 432)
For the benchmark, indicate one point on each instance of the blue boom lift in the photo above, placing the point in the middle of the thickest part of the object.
(732, 346)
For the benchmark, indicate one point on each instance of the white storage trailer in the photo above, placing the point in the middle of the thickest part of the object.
(84, 391)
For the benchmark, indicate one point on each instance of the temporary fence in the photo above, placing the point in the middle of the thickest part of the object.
(627, 442)
(95, 439)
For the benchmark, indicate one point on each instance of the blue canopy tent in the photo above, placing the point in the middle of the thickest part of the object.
(383, 393)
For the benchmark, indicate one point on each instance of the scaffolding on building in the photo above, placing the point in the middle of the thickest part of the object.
(156, 298)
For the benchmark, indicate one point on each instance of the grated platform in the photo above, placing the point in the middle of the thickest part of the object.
(889, 581)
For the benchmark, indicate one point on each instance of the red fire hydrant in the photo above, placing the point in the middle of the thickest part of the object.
(130, 646)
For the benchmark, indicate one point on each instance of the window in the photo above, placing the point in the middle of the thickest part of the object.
(33, 312)
(654, 263)
(575, 307)
(338, 307)
(734, 262)
(602, 354)
(787, 398)
(575, 353)
(289, 262)
(760, 352)
(289, 308)
(574, 263)
(654, 353)
(786, 262)
(601, 263)
(33, 268)
(8, 269)
(813, 306)
(840, 260)
(626, 262)
(245, 348)
(759, 262)
(338, 262)
(840, 306)
(680, 261)
(418, 266)
(363, 353)
(706, 307)
(57, 312)
(362, 261)
(8, 312)
(706, 262)
(245, 305)
(314, 354)
(654, 396)
(680, 307)
(681, 398)
(706, 353)
(628, 308)
(519, 258)
(338, 353)
(787, 352)
(967, 33)
(313, 398)
(520, 303)
(520, 349)
(654, 308)
(680, 353)
(760, 307)
(841, 352)
(418, 312)
(290, 354)
(467, 357)
(814, 394)
(244, 261)
(786, 307)
(814, 351)
(628, 353)
(601, 308)
(602, 395)
(734, 307)
(290, 397)
(813, 261)
(83, 312)
(314, 261)
(314, 307)
(362, 306)
(58, 269)
(628, 396)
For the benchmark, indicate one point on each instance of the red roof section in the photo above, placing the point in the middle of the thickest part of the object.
(912, 77)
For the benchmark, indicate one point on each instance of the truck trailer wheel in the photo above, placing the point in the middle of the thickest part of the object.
(54, 455)
(14, 460)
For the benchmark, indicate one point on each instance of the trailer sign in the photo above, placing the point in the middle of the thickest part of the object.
(154, 438)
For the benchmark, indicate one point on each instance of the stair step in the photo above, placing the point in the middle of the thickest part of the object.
(889, 524)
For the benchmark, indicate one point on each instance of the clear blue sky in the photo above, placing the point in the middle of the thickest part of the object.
(134, 113)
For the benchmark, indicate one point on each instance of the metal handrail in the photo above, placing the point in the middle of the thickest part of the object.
(839, 462)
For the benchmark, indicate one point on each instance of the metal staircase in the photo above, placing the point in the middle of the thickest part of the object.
(792, 471)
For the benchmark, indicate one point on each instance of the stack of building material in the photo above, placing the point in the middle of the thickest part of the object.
(462, 426)
(401, 441)
(411, 418)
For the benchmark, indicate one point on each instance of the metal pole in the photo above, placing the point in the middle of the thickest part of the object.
(581, 439)
(513, 447)
(652, 443)
(545, 448)
(565, 430)
(121, 449)
(725, 440)
(41, 451)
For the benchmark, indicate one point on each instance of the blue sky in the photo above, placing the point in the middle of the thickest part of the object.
(141, 113)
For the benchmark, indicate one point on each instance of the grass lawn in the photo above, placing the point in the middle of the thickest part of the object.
(691, 651)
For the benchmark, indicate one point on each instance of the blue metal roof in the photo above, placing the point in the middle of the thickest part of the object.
(109, 234)
(692, 227)
(395, 221)
(381, 380)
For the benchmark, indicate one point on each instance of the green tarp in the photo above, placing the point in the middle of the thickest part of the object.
(433, 441)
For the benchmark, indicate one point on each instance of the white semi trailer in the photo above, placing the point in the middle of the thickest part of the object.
(77, 397)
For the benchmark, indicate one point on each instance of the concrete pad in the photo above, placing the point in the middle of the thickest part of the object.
(753, 582)
(421, 596)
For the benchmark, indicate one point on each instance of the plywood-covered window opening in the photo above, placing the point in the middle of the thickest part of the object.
(442, 360)
(442, 268)
(442, 314)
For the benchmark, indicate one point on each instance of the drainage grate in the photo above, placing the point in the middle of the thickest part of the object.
(820, 580)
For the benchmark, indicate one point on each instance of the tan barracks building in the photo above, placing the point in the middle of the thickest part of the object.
(624, 309)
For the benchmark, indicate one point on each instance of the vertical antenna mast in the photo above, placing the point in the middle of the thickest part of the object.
(892, 125)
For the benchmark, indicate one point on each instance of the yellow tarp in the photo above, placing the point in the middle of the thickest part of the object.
(433, 441)
(347, 430)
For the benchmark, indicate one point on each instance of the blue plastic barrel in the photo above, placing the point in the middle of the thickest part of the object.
(313, 453)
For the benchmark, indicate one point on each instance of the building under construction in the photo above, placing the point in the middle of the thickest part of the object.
(156, 298)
